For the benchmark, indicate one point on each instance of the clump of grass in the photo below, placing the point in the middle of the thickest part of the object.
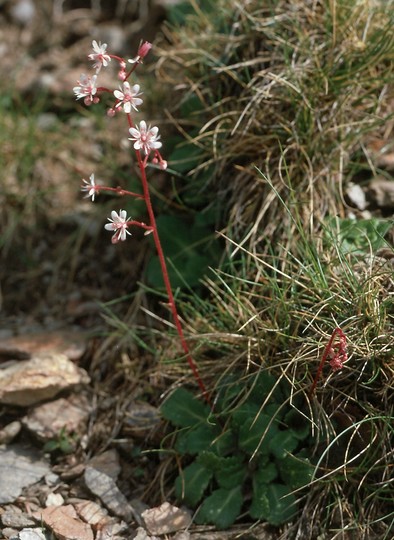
(290, 87)
(277, 314)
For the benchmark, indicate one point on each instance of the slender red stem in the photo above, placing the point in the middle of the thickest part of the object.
(166, 278)
(120, 191)
(327, 351)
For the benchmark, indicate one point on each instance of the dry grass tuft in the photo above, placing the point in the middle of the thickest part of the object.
(293, 88)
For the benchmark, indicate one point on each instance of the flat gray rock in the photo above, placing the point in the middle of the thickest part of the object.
(19, 468)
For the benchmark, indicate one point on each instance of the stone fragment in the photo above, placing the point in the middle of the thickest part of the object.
(24, 346)
(104, 487)
(18, 520)
(381, 191)
(32, 534)
(140, 419)
(8, 532)
(48, 420)
(9, 432)
(19, 467)
(91, 512)
(65, 523)
(112, 529)
(166, 518)
(54, 499)
(357, 196)
(107, 463)
(42, 377)
(143, 535)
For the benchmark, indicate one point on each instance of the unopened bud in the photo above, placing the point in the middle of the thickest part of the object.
(144, 49)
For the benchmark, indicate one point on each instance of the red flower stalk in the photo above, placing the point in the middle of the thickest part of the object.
(146, 145)
(336, 352)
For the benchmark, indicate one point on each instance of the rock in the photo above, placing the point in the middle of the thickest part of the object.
(91, 512)
(32, 534)
(382, 192)
(143, 535)
(107, 463)
(48, 420)
(104, 487)
(64, 523)
(356, 196)
(54, 499)
(22, 12)
(8, 532)
(9, 432)
(72, 344)
(19, 467)
(42, 377)
(111, 530)
(141, 419)
(166, 519)
(18, 520)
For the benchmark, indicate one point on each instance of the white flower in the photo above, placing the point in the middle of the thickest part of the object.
(119, 224)
(90, 187)
(99, 56)
(87, 87)
(128, 97)
(145, 138)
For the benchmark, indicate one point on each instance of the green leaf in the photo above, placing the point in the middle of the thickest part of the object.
(190, 249)
(185, 157)
(183, 409)
(231, 472)
(256, 433)
(196, 439)
(225, 443)
(265, 473)
(282, 443)
(359, 236)
(262, 386)
(243, 413)
(296, 472)
(273, 503)
(298, 424)
(192, 483)
(221, 508)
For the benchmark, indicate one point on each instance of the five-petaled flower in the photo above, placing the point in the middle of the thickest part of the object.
(87, 89)
(99, 56)
(128, 97)
(119, 224)
(90, 187)
(145, 138)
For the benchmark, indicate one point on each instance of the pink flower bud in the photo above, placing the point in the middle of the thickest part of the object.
(122, 75)
(163, 164)
(144, 49)
(111, 112)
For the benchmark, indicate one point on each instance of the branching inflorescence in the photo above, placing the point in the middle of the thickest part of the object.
(146, 144)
